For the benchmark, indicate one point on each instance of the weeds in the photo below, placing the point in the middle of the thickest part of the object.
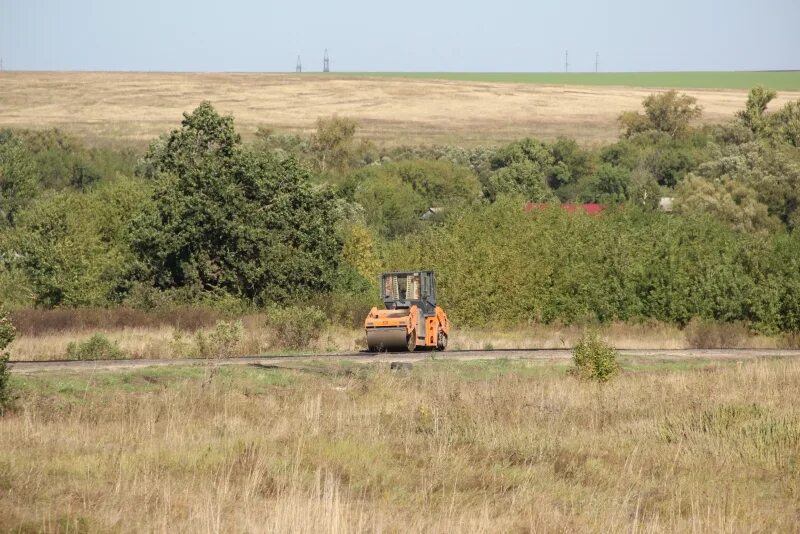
(514, 450)
(296, 327)
(222, 342)
(594, 359)
(704, 334)
(97, 347)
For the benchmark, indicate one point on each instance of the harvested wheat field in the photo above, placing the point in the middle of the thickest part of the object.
(109, 108)
(482, 446)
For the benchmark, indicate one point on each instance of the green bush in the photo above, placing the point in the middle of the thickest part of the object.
(97, 347)
(296, 327)
(595, 359)
(7, 334)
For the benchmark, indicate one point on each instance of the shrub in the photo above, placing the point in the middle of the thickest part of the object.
(226, 337)
(296, 327)
(97, 347)
(222, 342)
(704, 334)
(594, 359)
(7, 333)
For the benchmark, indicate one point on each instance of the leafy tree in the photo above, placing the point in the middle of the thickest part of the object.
(643, 190)
(391, 205)
(526, 150)
(206, 142)
(726, 200)
(613, 183)
(61, 161)
(227, 219)
(784, 124)
(771, 171)
(570, 163)
(332, 143)
(522, 168)
(668, 112)
(395, 194)
(524, 178)
(757, 101)
(74, 247)
(17, 177)
(439, 183)
(358, 251)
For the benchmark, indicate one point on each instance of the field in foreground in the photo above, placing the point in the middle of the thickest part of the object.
(114, 108)
(446, 447)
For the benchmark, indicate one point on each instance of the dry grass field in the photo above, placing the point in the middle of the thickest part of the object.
(503, 446)
(114, 108)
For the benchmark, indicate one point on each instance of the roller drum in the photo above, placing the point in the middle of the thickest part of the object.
(387, 339)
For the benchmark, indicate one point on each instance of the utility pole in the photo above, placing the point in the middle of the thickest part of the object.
(566, 60)
(326, 62)
(299, 67)
(596, 61)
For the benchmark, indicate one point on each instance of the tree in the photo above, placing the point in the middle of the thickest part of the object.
(391, 205)
(358, 251)
(17, 177)
(571, 163)
(227, 219)
(668, 112)
(523, 178)
(753, 114)
(643, 189)
(771, 170)
(726, 200)
(522, 168)
(7, 334)
(332, 143)
(784, 124)
(74, 247)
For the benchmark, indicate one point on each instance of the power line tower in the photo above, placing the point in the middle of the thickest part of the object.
(566, 60)
(299, 67)
(326, 62)
(596, 61)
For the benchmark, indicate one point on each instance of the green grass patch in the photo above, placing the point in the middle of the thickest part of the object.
(151, 379)
(779, 80)
(257, 379)
(472, 370)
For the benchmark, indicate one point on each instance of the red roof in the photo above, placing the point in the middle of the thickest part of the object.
(591, 208)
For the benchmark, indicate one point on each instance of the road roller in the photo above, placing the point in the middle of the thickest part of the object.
(411, 319)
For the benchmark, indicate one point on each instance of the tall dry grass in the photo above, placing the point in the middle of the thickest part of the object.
(469, 447)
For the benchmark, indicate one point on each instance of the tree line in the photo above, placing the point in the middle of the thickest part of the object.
(204, 217)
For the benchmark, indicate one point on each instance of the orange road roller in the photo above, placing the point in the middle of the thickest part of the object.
(411, 319)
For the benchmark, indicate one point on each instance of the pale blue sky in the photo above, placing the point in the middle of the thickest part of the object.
(410, 35)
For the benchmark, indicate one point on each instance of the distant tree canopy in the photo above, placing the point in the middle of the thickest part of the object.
(395, 194)
(18, 177)
(669, 112)
(332, 144)
(227, 219)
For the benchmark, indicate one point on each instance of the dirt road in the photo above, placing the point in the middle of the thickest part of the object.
(660, 355)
